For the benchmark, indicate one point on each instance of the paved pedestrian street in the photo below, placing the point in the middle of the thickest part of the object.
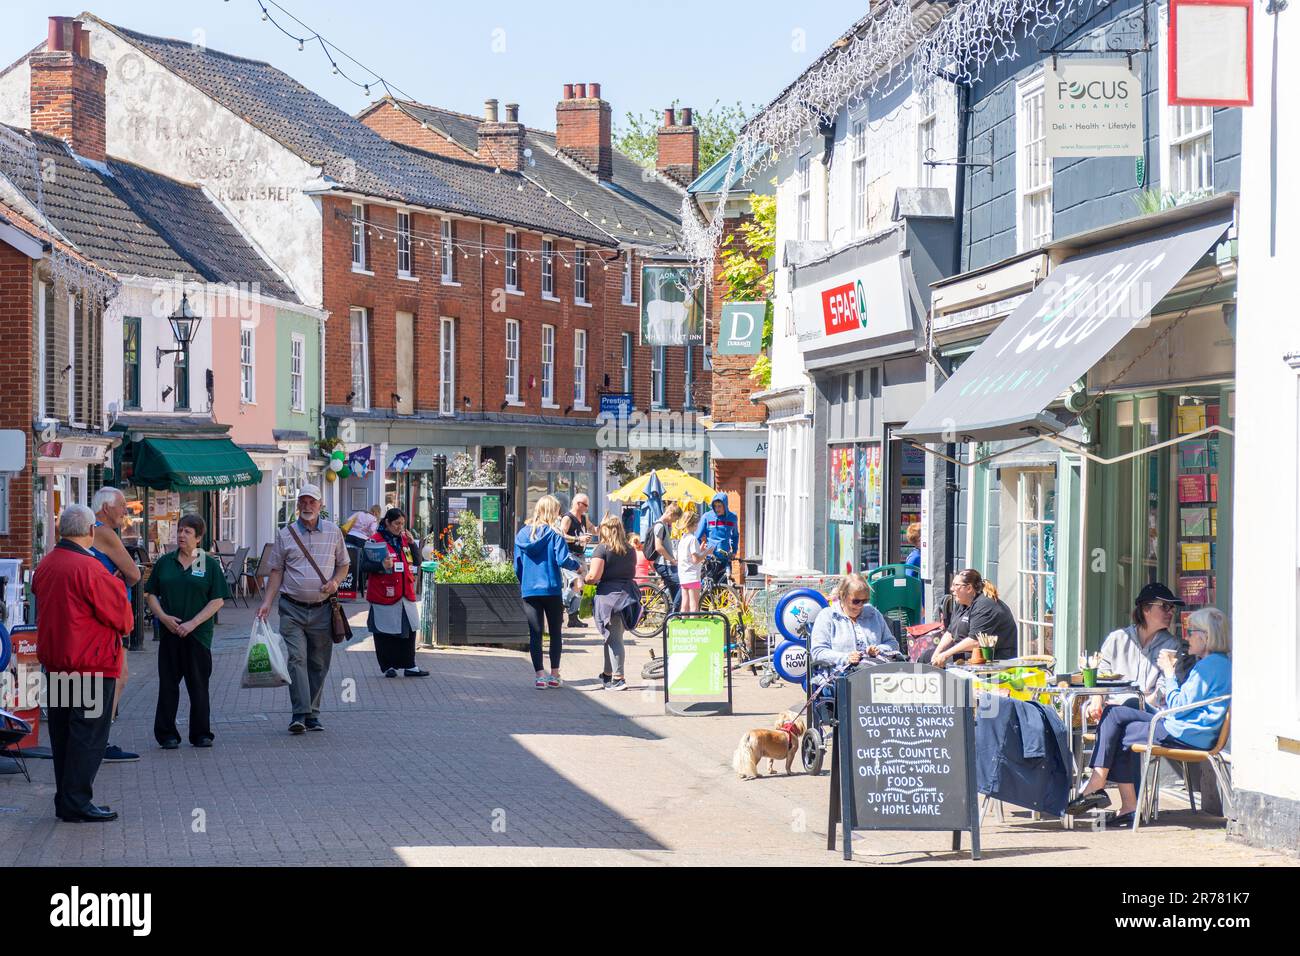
(474, 766)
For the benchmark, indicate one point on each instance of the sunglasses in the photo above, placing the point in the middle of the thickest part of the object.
(858, 602)
(1163, 606)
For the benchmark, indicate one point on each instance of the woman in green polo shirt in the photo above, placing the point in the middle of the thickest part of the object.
(187, 587)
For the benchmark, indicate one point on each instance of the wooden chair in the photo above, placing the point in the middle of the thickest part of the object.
(262, 571)
(1149, 795)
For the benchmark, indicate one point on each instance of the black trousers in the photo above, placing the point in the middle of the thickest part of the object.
(182, 658)
(551, 608)
(78, 736)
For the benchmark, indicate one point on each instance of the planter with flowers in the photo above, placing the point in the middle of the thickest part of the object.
(475, 596)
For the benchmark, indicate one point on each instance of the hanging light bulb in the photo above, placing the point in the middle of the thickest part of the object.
(336, 67)
(299, 46)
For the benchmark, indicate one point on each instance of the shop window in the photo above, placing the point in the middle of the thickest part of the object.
(841, 556)
(1195, 472)
(871, 518)
(512, 360)
(448, 252)
(1033, 167)
(228, 515)
(1036, 578)
(755, 515)
(289, 477)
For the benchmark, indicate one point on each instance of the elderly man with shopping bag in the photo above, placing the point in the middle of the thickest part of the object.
(308, 561)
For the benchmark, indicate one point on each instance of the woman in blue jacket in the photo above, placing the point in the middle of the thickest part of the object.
(1196, 729)
(540, 553)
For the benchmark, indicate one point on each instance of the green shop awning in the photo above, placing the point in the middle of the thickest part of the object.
(193, 464)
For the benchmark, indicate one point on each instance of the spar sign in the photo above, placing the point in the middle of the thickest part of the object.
(844, 308)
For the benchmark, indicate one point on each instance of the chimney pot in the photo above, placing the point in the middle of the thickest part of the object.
(580, 90)
(568, 91)
(512, 112)
(594, 90)
(686, 116)
(67, 89)
(670, 117)
(490, 111)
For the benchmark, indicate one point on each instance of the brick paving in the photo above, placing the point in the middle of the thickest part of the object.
(474, 766)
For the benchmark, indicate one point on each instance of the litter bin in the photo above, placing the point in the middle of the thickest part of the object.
(428, 609)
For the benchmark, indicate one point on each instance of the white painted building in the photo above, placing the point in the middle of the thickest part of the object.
(1266, 589)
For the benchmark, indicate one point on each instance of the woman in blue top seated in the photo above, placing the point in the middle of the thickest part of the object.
(1195, 729)
(850, 628)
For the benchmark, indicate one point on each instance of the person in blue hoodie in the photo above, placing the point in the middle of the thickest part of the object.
(1210, 641)
(720, 527)
(541, 554)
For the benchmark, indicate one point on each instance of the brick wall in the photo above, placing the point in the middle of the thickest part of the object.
(729, 475)
(583, 129)
(731, 385)
(480, 305)
(67, 99)
(400, 127)
(17, 384)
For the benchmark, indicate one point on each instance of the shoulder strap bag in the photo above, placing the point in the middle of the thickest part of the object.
(340, 629)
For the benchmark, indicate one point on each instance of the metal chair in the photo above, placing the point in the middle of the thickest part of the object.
(235, 573)
(262, 571)
(1149, 795)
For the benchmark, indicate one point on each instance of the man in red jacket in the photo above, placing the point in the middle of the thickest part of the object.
(81, 613)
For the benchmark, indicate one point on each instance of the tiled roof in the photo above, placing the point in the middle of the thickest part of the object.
(135, 222)
(631, 207)
(353, 156)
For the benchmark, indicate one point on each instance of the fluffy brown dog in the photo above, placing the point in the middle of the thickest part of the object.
(781, 743)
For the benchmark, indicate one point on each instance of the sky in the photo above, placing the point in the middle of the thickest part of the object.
(456, 55)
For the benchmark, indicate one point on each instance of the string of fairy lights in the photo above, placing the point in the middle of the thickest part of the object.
(464, 248)
(395, 96)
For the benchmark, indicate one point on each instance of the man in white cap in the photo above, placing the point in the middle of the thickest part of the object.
(304, 601)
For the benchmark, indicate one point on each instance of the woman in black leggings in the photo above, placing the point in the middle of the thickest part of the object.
(540, 553)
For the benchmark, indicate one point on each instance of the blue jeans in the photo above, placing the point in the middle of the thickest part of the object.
(1120, 728)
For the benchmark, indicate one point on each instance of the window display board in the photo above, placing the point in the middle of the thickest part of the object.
(1196, 482)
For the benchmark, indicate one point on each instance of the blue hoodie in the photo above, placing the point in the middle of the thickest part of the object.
(538, 561)
(721, 531)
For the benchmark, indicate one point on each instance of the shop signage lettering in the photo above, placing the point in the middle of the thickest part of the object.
(741, 328)
(1092, 108)
(560, 459)
(204, 481)
(844, 308)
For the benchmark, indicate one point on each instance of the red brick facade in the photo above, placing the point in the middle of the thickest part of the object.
(583, 129)
(729, 475)
(731, 384)
(67, 90)
(17, 390)
(480, 305)
(678, 150)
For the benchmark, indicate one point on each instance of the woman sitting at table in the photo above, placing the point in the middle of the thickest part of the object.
(850, 629)
(1196, 729)
(1132, 652)
(975, 609)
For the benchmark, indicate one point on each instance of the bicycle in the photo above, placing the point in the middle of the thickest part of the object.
(656, 605)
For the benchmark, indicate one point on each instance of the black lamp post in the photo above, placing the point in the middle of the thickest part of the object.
(185, 328)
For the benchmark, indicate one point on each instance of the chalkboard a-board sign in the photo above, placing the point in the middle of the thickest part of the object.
(904, 755)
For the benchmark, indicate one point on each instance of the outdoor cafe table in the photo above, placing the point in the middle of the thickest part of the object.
(1066, 697)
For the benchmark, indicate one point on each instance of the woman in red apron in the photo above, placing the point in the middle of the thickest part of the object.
(390, 588)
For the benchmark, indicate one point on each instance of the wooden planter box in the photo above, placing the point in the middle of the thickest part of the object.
(478, 614)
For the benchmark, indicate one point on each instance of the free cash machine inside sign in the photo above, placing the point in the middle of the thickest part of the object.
(1093, 108)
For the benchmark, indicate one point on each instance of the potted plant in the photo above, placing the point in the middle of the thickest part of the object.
(476, 598)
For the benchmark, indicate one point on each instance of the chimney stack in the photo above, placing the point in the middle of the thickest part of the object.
(679, 146)
(501, 144)
(582, 128)
(67, 90)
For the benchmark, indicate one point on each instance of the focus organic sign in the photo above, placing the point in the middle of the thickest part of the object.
(1092, 108)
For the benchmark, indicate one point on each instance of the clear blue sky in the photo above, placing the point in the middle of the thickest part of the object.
(458, 54)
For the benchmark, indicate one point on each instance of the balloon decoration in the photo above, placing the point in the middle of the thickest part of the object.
(330, 476)
(336, 465)
(345, 472)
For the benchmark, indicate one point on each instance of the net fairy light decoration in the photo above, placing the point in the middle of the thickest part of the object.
(895, 45)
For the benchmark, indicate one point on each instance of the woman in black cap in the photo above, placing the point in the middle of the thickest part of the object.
(1131, 651)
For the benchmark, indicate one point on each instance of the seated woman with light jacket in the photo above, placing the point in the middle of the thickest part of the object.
(850, 629)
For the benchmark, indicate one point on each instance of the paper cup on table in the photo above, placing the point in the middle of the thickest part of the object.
(1090, 677)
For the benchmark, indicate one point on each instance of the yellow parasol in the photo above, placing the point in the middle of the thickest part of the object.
(678, 486)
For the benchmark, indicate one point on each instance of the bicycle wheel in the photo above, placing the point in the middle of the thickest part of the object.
(655, 605)
(720, 599)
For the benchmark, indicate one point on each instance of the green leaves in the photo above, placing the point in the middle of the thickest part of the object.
(718, 126)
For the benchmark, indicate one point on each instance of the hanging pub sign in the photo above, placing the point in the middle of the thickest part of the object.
(1092, 108)
(740, 330)
(671, 314)
(1211, 52)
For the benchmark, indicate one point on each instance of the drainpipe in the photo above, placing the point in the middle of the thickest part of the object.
(959, 226)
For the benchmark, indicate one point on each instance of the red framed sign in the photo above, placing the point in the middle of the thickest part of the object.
(1211, 52)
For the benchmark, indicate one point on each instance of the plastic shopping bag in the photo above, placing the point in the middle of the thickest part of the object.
(265, 664)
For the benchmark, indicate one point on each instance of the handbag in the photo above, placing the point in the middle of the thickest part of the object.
(340, 629)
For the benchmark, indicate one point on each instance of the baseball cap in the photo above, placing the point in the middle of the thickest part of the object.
(1156, 592)
(311, 491)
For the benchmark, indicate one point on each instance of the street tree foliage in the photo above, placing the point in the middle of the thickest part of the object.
(718, 124)
(747, 257)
